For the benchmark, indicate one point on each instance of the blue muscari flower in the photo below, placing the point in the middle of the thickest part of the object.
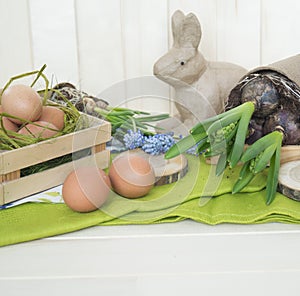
(133, 140)
(154, 145)
(158, 144)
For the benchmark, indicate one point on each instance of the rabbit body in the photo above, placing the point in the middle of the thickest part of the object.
(201, 86)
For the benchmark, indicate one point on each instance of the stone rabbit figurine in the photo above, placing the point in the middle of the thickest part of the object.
(201, 86)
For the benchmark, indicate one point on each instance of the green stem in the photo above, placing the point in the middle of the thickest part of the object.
(184, 144)
(259, 146)
(272, 179)
(245, 178)
(240, 138)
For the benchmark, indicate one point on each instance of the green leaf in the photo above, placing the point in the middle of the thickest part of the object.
(272, 179)
(239, 143)
(245, 178)
(260, 145)
(221, 164)
(223, 122)
(264, 158)
(184, 144)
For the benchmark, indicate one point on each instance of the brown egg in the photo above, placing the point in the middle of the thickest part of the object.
(22, 101)
(54, 115)
(41, 131)
(86, 189)
(131, 176)
(8, 125)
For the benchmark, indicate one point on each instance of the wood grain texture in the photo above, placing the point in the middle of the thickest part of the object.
(279, 29)
(16, 46)
(238, 32)
(53, 31)
(97, 44)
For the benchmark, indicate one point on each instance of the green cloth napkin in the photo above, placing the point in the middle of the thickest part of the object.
(189, 198)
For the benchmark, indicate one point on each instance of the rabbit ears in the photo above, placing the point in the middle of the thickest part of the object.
(186, 30)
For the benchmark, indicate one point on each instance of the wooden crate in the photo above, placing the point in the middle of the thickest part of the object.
(91, 140)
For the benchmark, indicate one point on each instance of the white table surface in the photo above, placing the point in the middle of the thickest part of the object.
(183, 258)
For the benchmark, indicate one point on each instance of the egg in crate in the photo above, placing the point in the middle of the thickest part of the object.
(53, 115)
(39, 129)
(7, 124)
(21, 101)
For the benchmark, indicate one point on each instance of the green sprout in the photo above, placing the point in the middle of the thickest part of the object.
(225, 135)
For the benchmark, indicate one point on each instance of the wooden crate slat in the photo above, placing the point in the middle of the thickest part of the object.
(17, 159)
(25, 186)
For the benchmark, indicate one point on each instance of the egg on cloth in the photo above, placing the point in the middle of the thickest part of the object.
(21, 101)
(86, 189)
(131, 175)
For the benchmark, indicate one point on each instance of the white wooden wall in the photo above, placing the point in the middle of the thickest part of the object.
(98, 43)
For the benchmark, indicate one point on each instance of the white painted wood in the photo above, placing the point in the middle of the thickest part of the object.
(54, 38)
(280, 29)
(238, 32)
(99, 44)
(145, 38)
(213, 284)
(15, 49)
(176, 258)
(96, 44)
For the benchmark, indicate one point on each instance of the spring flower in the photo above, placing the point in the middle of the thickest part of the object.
(158, 144)
(133, 140)
(154, 145)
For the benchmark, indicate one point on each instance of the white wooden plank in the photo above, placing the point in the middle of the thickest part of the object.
(145, 27)
(223, 249)
(238, 32)
(280, 29)
(145, 39)
(99, 45)
(54, 38)
(245, 283)
(15, 49)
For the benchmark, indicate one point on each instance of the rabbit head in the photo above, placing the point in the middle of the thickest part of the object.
(183, 63)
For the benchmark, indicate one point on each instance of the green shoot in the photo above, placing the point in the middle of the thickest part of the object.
(185, 143)
(219, 130)
(272, 180)
(256, 158)
(245, 177)
(241, 134)
(124, 119)
(225, 135)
